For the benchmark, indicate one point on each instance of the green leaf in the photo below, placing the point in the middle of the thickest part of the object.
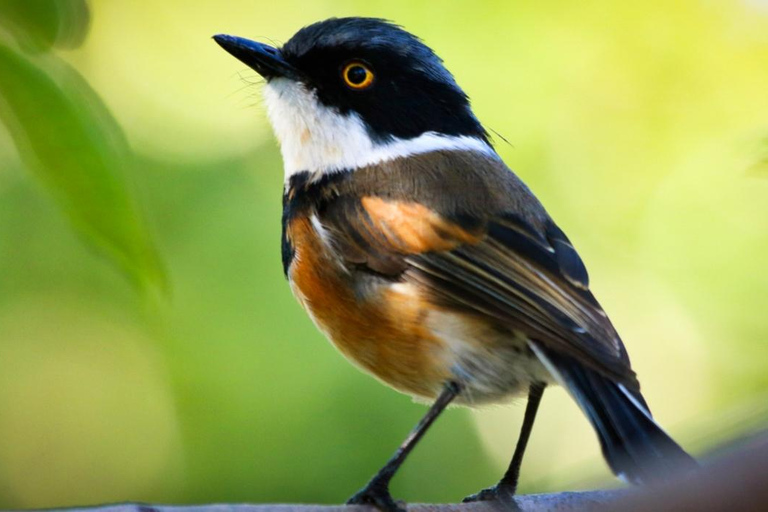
(760, 167)
(39, 24)
(65, 135)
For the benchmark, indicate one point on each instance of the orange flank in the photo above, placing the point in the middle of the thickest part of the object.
(384, 327)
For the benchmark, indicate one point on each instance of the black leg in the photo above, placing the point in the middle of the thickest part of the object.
(376, 492)
(507, 486)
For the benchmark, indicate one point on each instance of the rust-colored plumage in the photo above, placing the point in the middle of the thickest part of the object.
(381, 329)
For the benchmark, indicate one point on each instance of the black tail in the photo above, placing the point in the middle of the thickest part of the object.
(636, 448)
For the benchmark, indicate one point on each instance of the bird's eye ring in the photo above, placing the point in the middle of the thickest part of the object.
(357, 75)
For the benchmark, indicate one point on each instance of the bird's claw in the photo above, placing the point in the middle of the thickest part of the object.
(498, 492)
(379, 497)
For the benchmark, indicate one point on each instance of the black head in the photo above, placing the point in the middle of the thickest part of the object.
(373, 68)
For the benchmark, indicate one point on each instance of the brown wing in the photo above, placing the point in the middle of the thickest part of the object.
(534, 282)
(528, 278)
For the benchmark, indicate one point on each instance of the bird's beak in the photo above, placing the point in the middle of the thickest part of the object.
(264, 59)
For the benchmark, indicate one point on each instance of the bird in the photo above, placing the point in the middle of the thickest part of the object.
(424, 259)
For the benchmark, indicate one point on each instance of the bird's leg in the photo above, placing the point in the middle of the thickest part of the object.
(376, 492)
(507, 486)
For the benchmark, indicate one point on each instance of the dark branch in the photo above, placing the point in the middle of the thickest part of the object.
(737, 480)
(565, 502)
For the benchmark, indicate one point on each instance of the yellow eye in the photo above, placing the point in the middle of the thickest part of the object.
(357, 75)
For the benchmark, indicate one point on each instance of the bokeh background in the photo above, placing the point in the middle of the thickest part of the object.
(149, 346)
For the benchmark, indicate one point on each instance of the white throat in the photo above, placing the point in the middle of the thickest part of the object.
(318, 139)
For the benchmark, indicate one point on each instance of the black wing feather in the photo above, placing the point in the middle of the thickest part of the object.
(536, 283)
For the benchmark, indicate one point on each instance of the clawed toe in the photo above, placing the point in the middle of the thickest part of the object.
(495, 493)
(378, 497)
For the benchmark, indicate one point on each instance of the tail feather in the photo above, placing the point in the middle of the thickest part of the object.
(634, 445)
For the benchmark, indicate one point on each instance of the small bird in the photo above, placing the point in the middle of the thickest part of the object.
(424, 259)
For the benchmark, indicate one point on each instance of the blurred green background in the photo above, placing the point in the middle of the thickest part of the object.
(149, 346)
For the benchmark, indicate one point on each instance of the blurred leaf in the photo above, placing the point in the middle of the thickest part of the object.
(39, 24)
(760, 167)
(65, 134)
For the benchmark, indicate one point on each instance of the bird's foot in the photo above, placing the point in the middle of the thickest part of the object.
(377, 494)
(499, 492)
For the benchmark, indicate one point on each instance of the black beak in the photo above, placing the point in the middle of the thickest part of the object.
(264, 59)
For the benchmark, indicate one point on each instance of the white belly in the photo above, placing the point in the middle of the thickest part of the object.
(492, 364)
